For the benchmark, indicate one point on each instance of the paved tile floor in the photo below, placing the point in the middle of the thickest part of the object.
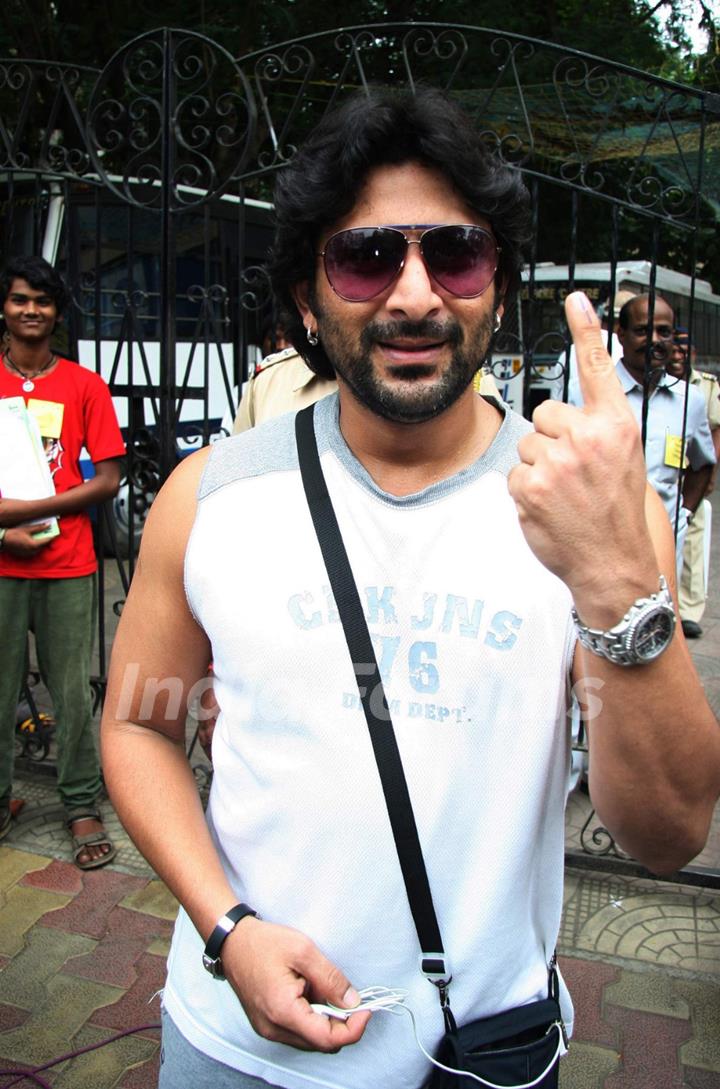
(82, 954)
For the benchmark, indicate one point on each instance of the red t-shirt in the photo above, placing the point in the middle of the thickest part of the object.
(88, 420)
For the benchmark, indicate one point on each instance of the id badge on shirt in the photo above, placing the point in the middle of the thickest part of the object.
(673, 450)
(49, 416)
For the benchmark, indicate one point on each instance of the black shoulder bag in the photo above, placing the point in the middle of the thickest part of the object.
(519, 1048)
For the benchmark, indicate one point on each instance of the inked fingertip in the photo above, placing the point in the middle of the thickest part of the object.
(579, 301)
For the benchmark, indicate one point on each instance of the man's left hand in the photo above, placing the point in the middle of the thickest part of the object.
(580, 487)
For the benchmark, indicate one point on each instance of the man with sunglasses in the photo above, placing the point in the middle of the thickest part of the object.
(471, 536)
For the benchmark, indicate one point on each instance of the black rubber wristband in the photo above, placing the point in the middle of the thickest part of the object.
(225, 926)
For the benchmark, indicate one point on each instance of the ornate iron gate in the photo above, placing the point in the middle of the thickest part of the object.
(148, 182)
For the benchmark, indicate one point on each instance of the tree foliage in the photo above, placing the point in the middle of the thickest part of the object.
(622, 30)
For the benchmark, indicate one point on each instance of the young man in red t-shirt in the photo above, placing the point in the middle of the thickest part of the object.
(48, 583)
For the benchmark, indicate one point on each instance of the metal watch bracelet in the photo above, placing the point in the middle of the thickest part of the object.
(640, 636)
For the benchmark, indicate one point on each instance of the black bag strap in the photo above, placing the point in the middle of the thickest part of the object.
(374, 702)
(433, 962)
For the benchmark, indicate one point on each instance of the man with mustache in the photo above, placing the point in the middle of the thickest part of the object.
(496, 563)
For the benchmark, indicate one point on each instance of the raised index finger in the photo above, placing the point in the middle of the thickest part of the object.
(599, 383)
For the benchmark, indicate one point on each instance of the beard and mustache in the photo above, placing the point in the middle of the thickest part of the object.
(406, 395)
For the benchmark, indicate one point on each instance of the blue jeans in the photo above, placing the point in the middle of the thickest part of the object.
(182, 1066)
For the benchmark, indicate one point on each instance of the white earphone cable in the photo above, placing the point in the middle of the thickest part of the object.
(383, 1000)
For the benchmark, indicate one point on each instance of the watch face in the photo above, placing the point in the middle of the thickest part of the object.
(653, 634)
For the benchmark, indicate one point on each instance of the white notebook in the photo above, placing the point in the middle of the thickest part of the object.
(24, 471)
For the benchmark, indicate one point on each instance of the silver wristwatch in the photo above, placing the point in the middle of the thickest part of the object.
(642, 635)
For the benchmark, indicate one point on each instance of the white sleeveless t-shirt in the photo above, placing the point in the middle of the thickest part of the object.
(474, 640)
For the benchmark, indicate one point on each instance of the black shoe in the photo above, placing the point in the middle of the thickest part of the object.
(691, 629)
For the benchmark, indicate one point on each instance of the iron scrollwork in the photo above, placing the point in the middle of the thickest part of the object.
(34, 729)
(502, 107)
(42, 124)
(359, 47)
(449, 47)
(667, 134)
(144, 472)
(581, 86)
(592, 125)
(257, 292)
(171, 117)
(207, 343)
(597, 841)
(297, 65)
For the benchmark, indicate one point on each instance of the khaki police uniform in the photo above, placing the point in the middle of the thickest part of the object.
(692, 590)
(284, 383)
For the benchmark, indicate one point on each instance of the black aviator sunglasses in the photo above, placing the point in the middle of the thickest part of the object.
(362, 262)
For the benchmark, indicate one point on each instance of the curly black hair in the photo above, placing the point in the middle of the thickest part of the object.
(323, 181)
(41, 276)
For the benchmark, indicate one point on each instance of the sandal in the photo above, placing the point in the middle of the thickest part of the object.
(5, 820)
(92, 839)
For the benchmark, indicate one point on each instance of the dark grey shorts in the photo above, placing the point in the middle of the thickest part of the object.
(182, 1066)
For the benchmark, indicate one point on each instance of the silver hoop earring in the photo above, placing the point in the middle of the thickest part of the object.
(498, 323)
(312, 338)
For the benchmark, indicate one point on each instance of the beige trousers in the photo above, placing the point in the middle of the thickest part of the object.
(692, 582)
